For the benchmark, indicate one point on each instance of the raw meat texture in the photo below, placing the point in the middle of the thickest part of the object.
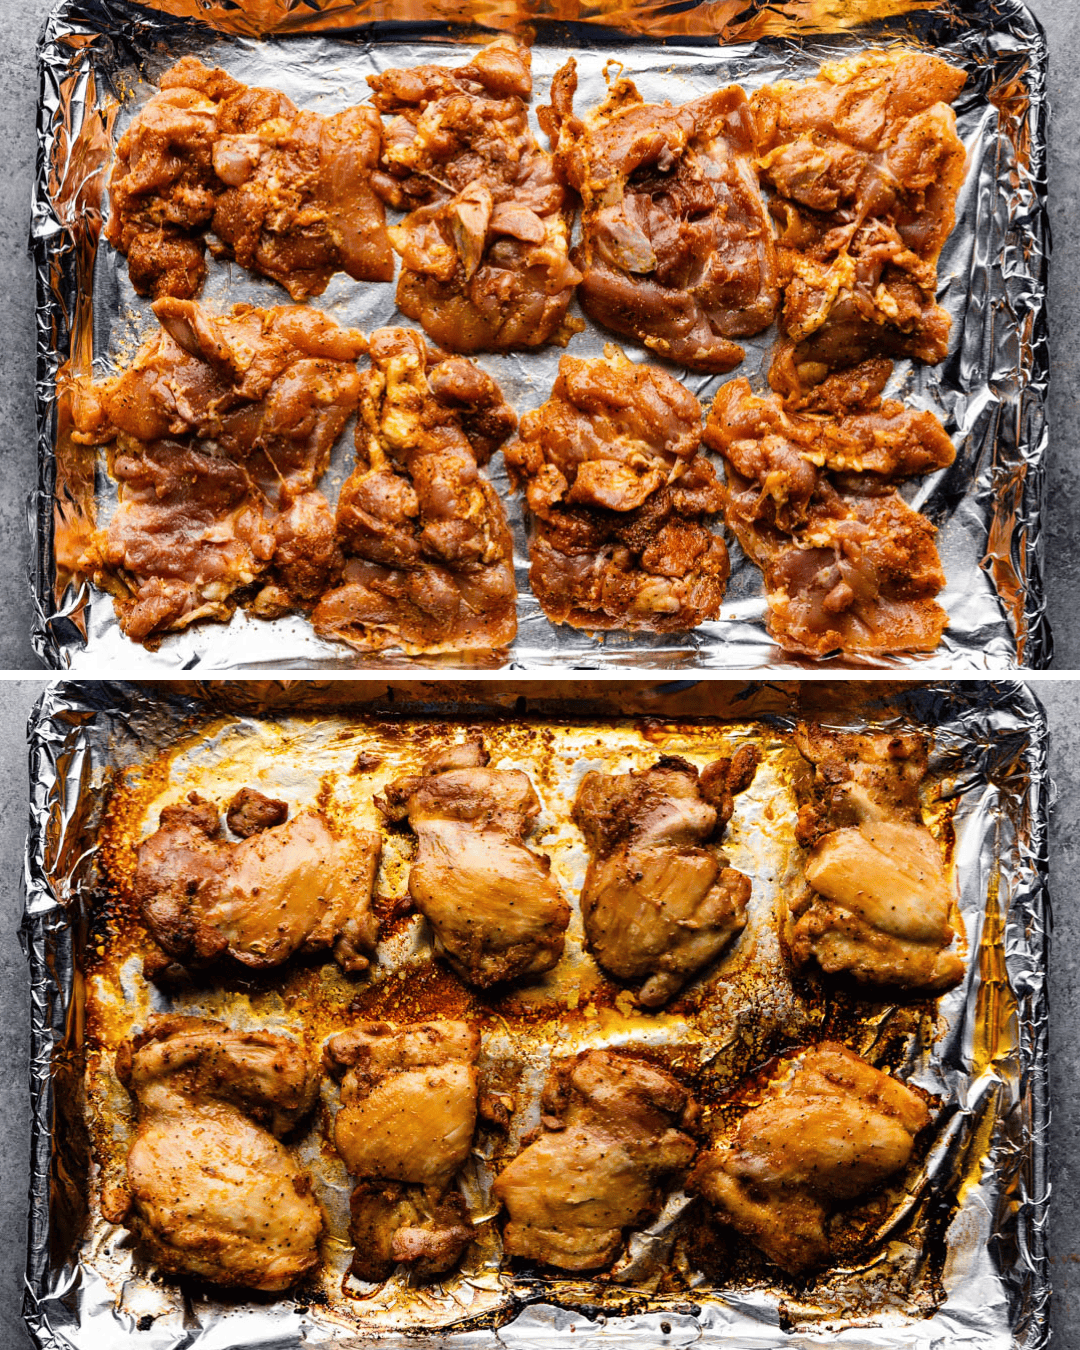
(619, 500)
(484, 244)
(677, 249)
(405, 1127)
(833, 1130)
(880, 908)
(612, 1142)
(848, 565)
(495, 910)
(866, 165)
(428, 553)
(285, 192)
(657, 904)
(222, 427)
(302, 886)
(210, 1190)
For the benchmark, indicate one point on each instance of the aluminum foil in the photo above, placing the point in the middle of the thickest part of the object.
(99, 61)
(958, 1258)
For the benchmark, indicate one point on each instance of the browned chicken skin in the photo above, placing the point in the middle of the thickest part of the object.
(677, 250)
(491, 901)
(429, 556)
(223, 426)
(285, 192)
(657, 904)
(619, 499)
(866, 165)
(405, 1127)
(298, 887)
(611, 1144)
(484, 243)
(848, 565)
(211, 1192)
(833, 1130)
(881, 908)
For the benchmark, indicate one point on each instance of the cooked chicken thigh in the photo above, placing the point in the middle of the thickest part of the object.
(484, 244)
(677, 250)
(211, 1192)
(495, 910)
(286, 192)
(611, 1145)
(429, 556)
(866, 165)
(297, 887)
(657, 904)
(881, 907)
(620, 500)
(405, 1127)
(223, 426)
(830, 1131)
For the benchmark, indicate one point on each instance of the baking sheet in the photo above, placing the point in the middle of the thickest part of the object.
(964, 1259)
(99, 59)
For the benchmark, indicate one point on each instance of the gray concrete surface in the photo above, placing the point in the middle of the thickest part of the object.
(1062, 701)
(22, 20)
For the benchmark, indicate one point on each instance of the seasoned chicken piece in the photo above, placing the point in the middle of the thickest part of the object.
(298, 887)
(830, 1131)
(610, 1146)
(484, 244)
(880, 908)
(847, 564)
(620, 499)
(429, 557)
(866, 165)
(405, 1127)
(284, 192)
(222, 427)
(677, 250)
(491, 901)
(211, 1192)
(657, 905)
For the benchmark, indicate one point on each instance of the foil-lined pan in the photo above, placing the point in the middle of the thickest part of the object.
(956, 1257)
(99, 61)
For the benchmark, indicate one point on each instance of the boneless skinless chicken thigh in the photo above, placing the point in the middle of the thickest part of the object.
(210, 1190)
(300, 886)
(404, 1128)
(611, 1144)
(677, 250)
(831, 1128)
(222, 426)
(495, 910)
(620, 500)
(658, 905)
(484, 244)
(880, 907)
(284, 192)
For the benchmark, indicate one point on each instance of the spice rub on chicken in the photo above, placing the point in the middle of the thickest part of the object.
(211, 1191)
(484, 246)
(496, 912)
(658, 904)
(880, 907)
(620, 500)
(221, 428)
(612, 1142)
(848, 565)
(832, 1130)
(428, 553)
(404, 1129)
(866, 166)
(283, 191)
(677, 250)
(299, 886)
